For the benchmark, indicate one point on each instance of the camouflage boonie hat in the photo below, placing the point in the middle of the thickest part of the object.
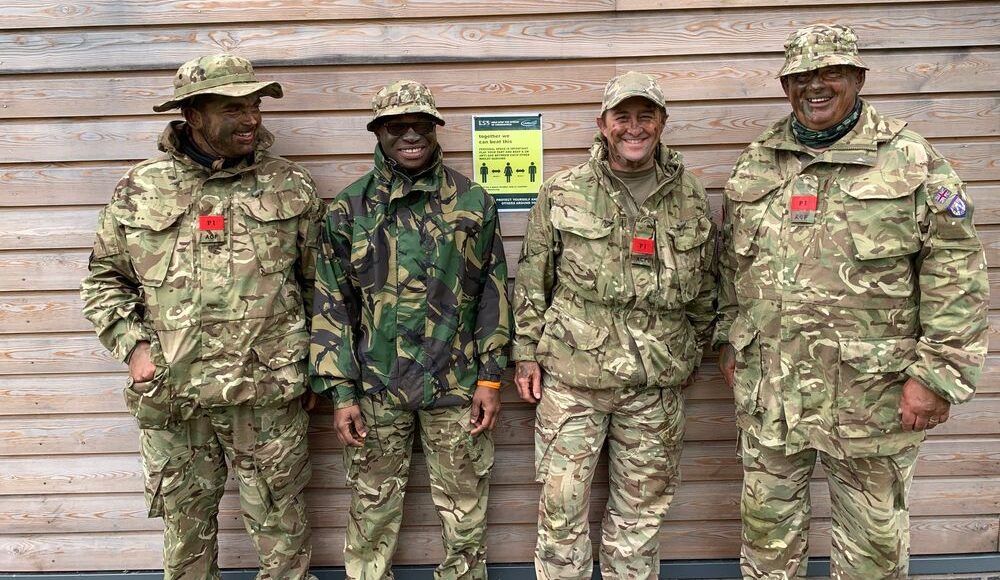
(820, 45)
(218, 74)
(401, 98)
(632, 84)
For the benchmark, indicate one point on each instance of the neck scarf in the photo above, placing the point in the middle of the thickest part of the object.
(826, 137)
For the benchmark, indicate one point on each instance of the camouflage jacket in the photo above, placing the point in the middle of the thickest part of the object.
(410, 290)
(832, 308)
(209, 267)
(604, 299)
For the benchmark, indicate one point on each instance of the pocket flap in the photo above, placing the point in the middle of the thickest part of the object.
(275, 205)
(750, 187)
(691, 233)
(580, 222)
(579, 334)
(742, 332)
(878, 355)
(154, 216)
(283, 350)
(890, 183)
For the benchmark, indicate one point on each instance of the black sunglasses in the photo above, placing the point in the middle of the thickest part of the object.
(398, 129)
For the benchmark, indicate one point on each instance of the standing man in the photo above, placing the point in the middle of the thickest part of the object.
(853, 314)
(410, 326)
(614, 300)
(196, 281)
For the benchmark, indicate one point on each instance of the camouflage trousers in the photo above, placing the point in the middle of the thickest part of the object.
(458, 466)
(644, 429)
(185, 472)
(869, 513)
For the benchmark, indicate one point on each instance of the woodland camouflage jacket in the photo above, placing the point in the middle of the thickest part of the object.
(410, 290)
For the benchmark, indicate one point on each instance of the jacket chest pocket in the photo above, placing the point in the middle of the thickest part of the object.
(881, 214)
(586, 245)
(150, 252)
(273, 227)
(685, 250)
(151, 238)
(748, 215)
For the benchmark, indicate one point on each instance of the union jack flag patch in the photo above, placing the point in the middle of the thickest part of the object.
(943, 194)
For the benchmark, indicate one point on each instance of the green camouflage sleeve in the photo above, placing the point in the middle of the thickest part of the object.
(728, 304)
(111, 296)
(334, 370)
(701, 311)
(310, 223)
(535, 278)
(954, 289)
(493, 319)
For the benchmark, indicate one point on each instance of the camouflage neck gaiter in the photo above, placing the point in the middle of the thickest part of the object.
(826, 137)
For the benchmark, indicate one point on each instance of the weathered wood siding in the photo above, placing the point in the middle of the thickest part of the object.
(77, 80)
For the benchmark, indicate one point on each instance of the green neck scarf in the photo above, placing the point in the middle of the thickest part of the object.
(826, 137)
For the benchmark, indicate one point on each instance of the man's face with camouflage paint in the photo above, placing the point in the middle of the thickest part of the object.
(412, 150)
(822, 98)
(225, 126)
(632, 129)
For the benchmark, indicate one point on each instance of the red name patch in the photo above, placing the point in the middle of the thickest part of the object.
(803, 203)
(211, 222)
(643, 246)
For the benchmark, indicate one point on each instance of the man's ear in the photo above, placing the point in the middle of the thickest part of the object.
(193, 117)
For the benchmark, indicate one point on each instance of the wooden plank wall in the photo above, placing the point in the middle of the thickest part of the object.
(77, 80)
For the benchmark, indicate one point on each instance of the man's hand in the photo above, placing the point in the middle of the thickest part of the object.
(691, 379)
(485, 410)
(140, 363)
(350, 426)
(727, 363)
(528, 378)
(920, 408)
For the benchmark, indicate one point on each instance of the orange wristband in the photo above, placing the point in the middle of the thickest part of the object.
(489, 384)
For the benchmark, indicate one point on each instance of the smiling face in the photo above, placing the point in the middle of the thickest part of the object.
(410, 140)
(632, 129)
(821, 98)
(225, 126)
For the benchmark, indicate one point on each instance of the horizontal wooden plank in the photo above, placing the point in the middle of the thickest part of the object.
(478, 85)
(518, 504)
(43, 270)
(81, 352)
(34, 312)
(37, 14)
(343, 134)
(506, 542)
(117, 433)
(84, 184)
(82, 393)
(72, 227)
(701, 461)
(621, 35)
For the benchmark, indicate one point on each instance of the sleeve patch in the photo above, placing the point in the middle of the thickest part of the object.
(958, 208)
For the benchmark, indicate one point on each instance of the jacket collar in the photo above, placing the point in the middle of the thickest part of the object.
(859, 146)
(400, 184)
